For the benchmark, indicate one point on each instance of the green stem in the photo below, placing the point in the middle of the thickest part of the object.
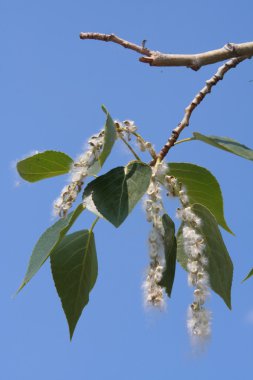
(94, 223)
(184, 140)
(130, 148)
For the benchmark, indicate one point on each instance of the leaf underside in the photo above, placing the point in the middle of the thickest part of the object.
(227, 144)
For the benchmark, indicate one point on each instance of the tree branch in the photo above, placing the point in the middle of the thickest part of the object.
(116, 40)
(218, 76)
(193, 61)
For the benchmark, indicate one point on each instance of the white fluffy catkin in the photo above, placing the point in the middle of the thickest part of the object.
(199, 319)
(153, 292)
(78, 172)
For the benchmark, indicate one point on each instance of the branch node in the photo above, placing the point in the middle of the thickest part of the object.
(230, 47)
(146, 59)
(195, 65)
(218, 76)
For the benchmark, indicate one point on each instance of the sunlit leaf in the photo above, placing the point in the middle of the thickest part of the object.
(44, 165)
(202, 187)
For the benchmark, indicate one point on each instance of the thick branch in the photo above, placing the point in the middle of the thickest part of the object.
(194, 61)
(218, 76)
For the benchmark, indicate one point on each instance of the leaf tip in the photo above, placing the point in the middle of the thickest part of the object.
(19, 289)
(72, 327)
(104, 109)
(250, 274)
(229, 230)
(228, 302)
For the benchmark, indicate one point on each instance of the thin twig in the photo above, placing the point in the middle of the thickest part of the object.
(117, 40)
(217, 77)
(193, 61)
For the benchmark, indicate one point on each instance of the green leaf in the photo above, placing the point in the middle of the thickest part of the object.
(250, 274)
(114, 194)
(110, 137)
(202, 187)
(49, 241)
(74, 268)
(227, 144)
(44, 165)
(170, 250)
(220, 266)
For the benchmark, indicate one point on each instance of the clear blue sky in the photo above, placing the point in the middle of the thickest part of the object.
(52, 86)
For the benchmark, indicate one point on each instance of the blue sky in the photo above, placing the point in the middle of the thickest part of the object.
(52, 87)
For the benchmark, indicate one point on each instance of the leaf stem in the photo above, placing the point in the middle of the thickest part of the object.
(184, 140)
(130, 148)
(94, 223)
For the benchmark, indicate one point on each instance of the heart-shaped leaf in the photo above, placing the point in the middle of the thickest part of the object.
(74, 268)
(220, 266)
(44, 165)
(170, 251)
(47, 242)
(227, 144)
(202, 187)
(114, 194)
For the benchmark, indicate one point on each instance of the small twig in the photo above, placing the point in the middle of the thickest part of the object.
(117, 40)
(218, 76)
(193, 61)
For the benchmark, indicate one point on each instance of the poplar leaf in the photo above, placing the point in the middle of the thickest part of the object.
(44, 165)
(202, 187)
(109, 140)
(170, 252)
(227, 144)
(49, 241)
(250, 274)
(114, 194)
(74, 269)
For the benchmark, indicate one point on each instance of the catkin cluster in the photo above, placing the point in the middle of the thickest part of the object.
(199, 319)
(153, 292)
